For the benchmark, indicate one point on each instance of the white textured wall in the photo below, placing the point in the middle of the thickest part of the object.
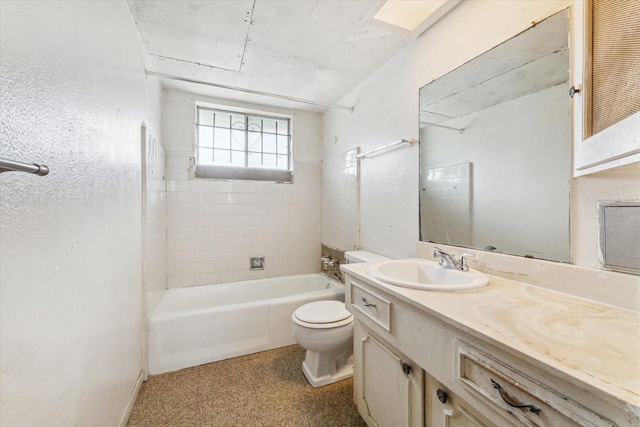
(386, 109)
(215, 226)
(339, 207)
(620, 184)
(74, 96)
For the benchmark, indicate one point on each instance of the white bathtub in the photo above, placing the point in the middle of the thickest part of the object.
(203, 324)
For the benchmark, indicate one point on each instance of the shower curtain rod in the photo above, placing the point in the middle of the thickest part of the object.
(254, 92)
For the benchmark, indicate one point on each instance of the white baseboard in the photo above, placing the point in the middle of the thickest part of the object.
(132, 401)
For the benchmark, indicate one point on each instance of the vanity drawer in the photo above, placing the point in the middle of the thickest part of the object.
(532, 403)
(371, 305)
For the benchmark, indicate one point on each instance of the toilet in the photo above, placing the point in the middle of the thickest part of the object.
(325, 330)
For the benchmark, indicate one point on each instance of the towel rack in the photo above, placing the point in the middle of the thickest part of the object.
(7, 165)
(386, 147)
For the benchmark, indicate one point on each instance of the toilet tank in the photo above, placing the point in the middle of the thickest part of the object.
(353, 257)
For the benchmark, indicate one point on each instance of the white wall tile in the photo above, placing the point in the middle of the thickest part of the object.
(339, 203)
(215, 226)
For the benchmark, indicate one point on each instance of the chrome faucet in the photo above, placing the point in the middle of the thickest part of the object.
(331, 267)
(449, 261)
(328, 262)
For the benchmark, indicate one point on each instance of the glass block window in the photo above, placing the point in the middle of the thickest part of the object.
(235, 145)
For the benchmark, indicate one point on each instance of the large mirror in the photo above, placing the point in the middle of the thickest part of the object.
(495, 148)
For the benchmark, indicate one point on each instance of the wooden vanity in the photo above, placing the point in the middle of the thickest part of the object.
(509, 354)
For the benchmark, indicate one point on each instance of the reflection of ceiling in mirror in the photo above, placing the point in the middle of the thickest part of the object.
(532, 61)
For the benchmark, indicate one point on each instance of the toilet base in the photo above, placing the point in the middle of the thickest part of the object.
(343, 370)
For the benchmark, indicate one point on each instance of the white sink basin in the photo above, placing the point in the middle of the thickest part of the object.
(418, 273)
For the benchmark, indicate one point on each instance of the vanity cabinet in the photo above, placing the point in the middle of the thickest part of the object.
(388, 387)
(415, 368)
(515, 395)
(445, 408)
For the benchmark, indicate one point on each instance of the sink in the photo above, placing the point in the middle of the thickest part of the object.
(418, 273)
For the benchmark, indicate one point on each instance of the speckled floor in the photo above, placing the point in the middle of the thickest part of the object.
(262, 389)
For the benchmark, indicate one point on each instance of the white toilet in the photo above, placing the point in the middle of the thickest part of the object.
(325, 330)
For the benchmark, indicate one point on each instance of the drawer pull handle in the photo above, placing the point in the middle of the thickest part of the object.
(531, 408)
(367, 304)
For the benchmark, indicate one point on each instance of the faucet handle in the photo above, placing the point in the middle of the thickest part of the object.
(464, 265)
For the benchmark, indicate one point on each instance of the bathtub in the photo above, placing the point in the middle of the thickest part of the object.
(201, 324)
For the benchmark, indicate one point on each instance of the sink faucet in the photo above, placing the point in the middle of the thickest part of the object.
(449, 261)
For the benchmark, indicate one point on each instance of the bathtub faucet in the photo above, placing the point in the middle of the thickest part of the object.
(328, 262)
(332, 268)
(449, 261)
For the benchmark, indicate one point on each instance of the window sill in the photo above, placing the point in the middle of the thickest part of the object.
(243, 174)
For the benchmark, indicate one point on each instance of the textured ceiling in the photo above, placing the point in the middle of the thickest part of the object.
(310, 49)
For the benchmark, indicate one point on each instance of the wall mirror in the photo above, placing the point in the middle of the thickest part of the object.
(495, 148)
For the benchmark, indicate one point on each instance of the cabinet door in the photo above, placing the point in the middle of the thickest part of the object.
(445, 409)
(618, 144)
(388, 388)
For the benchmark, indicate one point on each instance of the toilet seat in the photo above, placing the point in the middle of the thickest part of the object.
(322, 314)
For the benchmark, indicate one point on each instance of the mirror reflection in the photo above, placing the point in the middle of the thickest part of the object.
(495, 148)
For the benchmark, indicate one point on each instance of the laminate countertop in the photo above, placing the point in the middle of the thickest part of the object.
(595, 343)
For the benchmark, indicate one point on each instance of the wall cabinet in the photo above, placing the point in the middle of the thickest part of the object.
(619, 144)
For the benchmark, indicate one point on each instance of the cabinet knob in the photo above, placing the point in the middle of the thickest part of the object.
(406, 368)
(573, 90)
(442, 395)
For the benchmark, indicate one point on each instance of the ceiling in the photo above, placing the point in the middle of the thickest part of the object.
(307, 49)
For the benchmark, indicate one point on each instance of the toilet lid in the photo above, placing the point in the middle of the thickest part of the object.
(322, 312)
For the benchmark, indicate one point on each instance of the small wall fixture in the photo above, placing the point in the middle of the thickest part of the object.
(256, 263)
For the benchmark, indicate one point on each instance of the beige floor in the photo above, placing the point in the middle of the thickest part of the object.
(262, 389)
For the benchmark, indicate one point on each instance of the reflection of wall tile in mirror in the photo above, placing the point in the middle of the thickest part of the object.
(620, 236)
(446, 204)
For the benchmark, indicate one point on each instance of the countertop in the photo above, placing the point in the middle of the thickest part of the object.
(597, 344)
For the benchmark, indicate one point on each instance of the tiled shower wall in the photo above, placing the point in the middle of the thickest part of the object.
(155, 222)
(339, 207)
(214, 227)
